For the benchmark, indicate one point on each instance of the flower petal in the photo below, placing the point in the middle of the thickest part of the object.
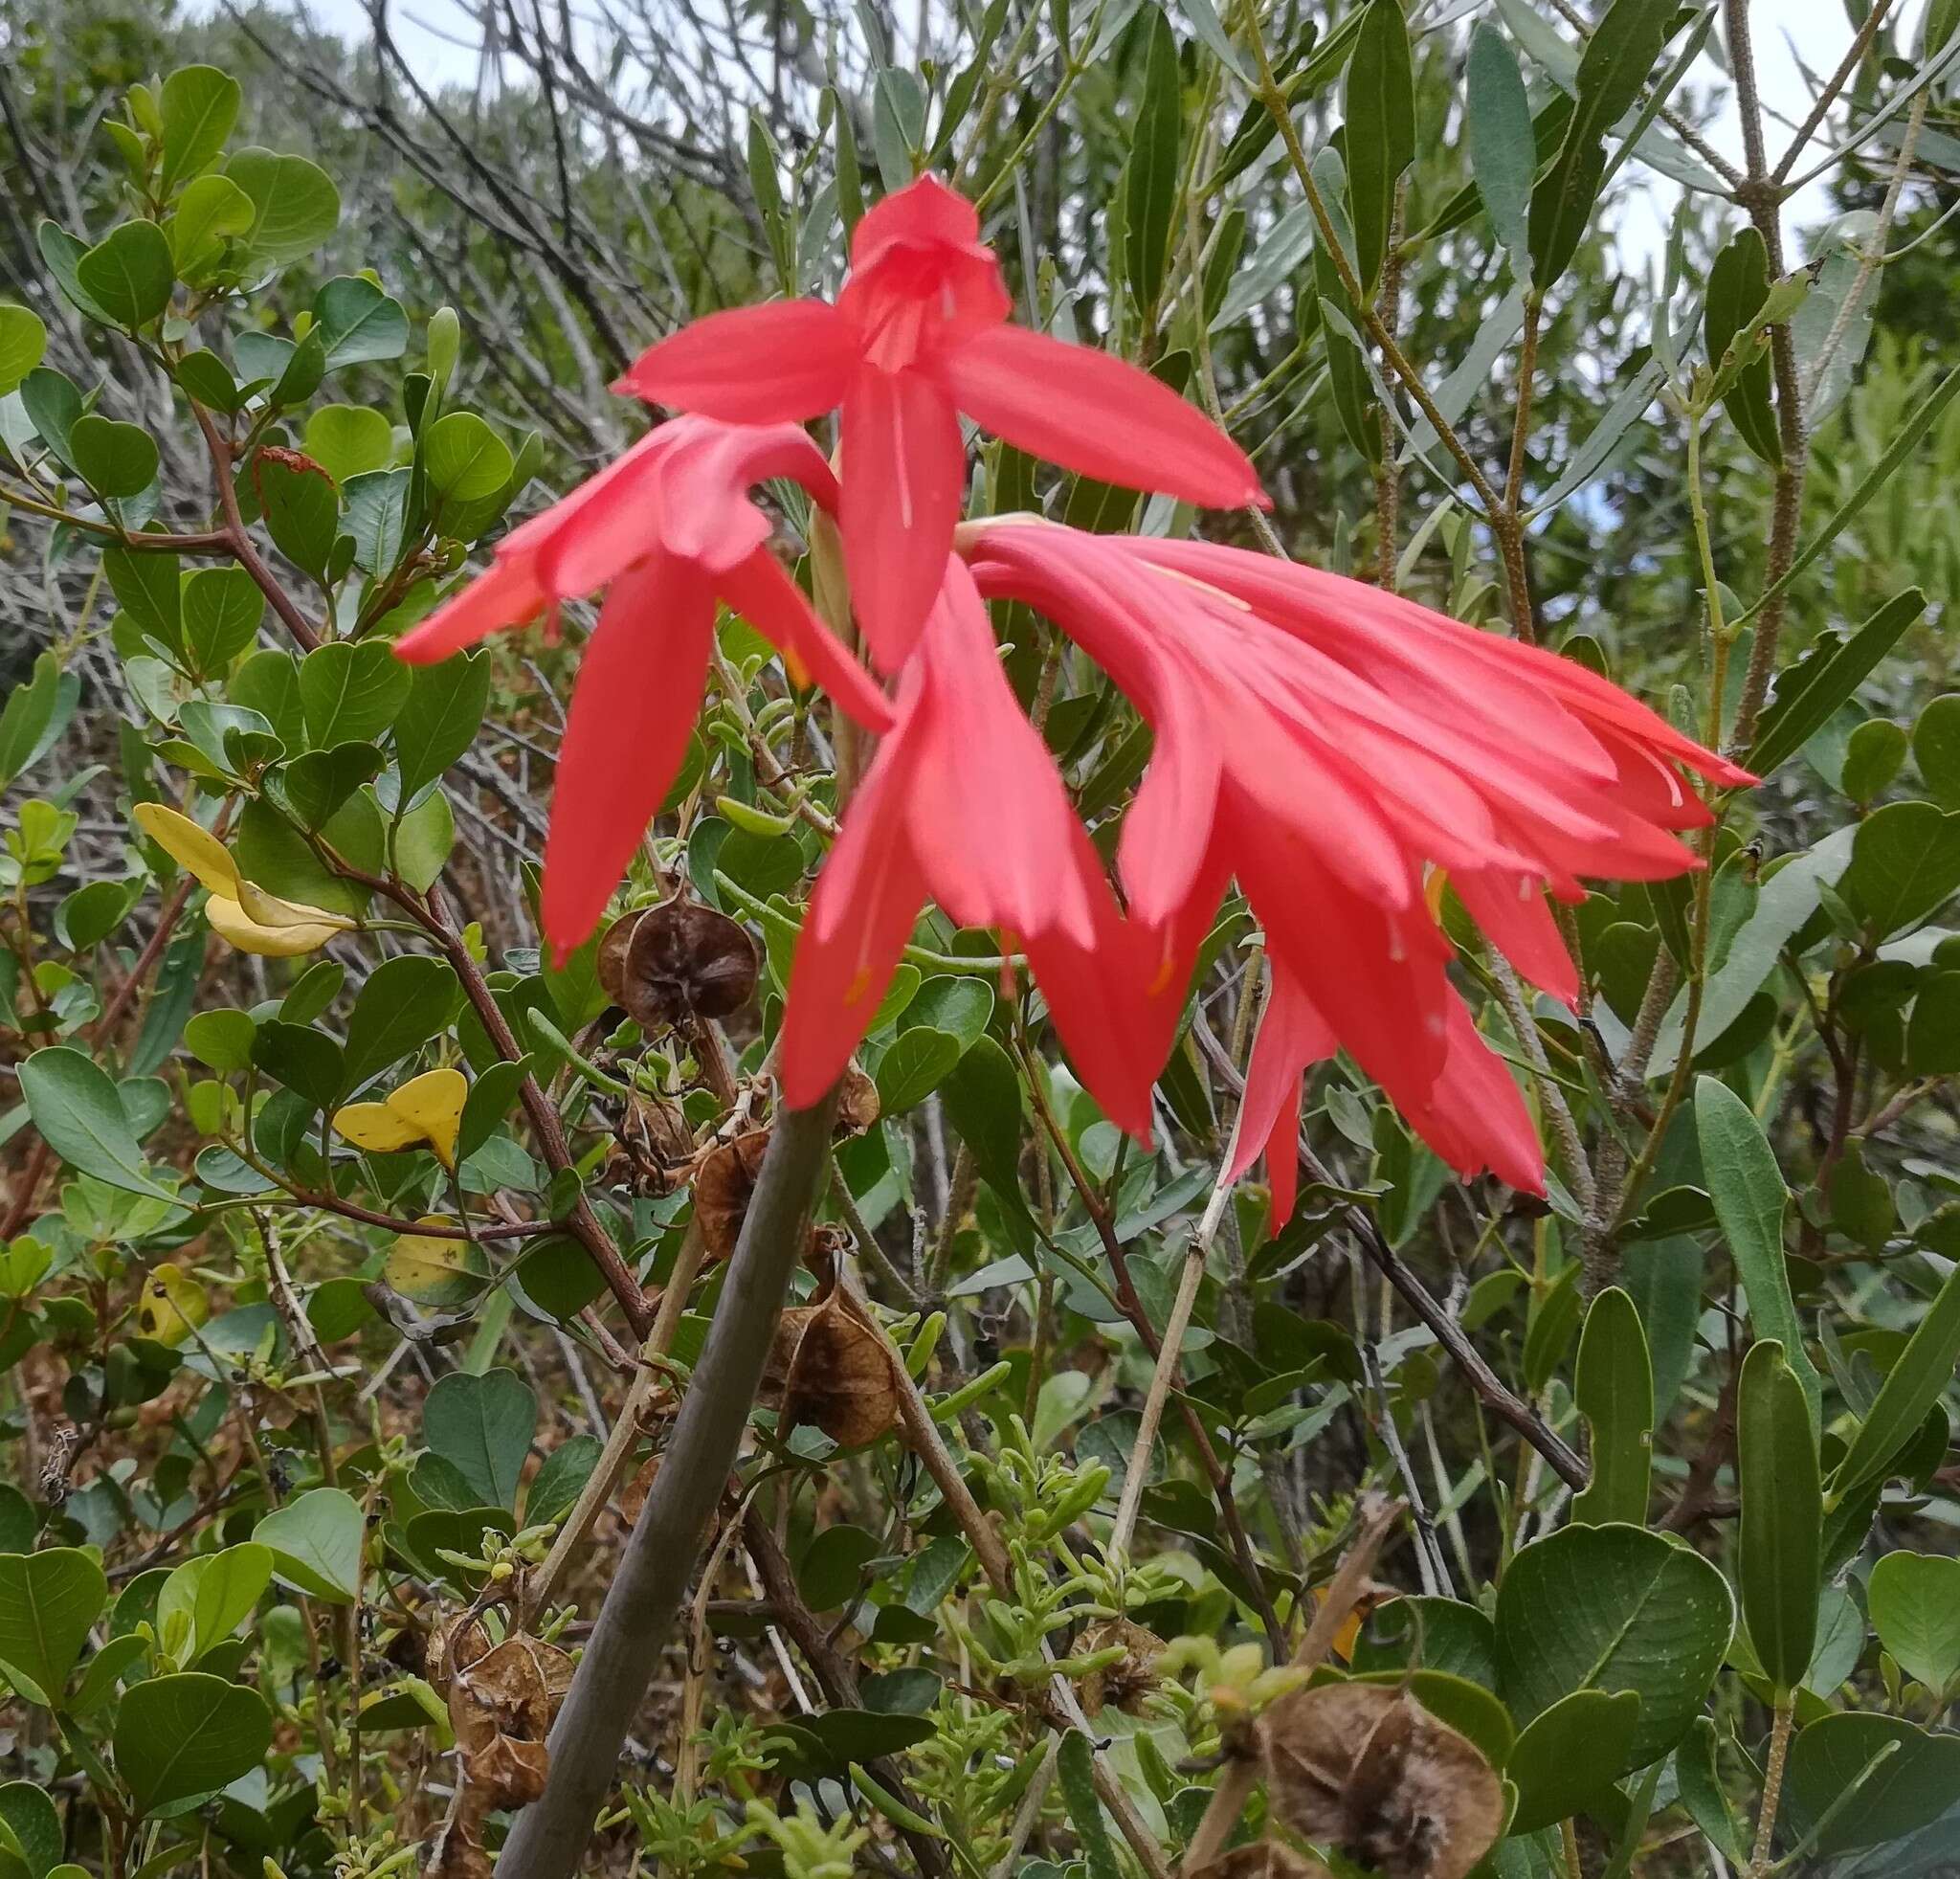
(1292, 1035)
(1098, 415)
(866, 903)
(905, 476)
(773, 604)
(507, 593)
(787, 360)
(638, 693)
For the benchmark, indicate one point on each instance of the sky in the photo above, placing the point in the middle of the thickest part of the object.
(1789, 36)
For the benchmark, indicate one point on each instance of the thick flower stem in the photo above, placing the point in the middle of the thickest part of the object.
(547, 1840)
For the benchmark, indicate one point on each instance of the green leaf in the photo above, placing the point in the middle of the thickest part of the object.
(115, 459)
(1617, 59)
(556, 1277)
(377, 515)
(1936, 750)
(213, 210)
(222, 609)
(560, 1479)
(200, 106)
(23, 338)
(1504, 150)
(75, 1109)
(1786, 902)
(1074, 1770)
(316, 783)
(482, 1424)
(1738, 285)
(1812, 690)
(439, 718)
(358, 323)
(187, 1734)
(29, 713)
(351, 691)
(348, 440)
(1613, 1608)
(406, 1000)
(982, 1098)
(1150, 175)
(217, 1593)
(1916, 1381)
(1747, 1188)
(832, 1565)
(465, 459)
(1378, 106)
(1911, 1789)
(1779, 1559)
(268, 682)
(295, 205)
(919, 1061)
(48, 1603)
(1567, 1758)
(1613, 1387)
(306, 1060)
(129, 274)
(30, 1814)
(1905, 865)
(301, 507)
(1704, 1795)
(1915, 1608)
(423, 839)
(220, 1039)
(52, 404)
(316, 1543)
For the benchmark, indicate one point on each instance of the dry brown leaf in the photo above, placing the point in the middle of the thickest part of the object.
(684, 961)
(1123, 1685)
(722, 1189)
(1366, 1768)
(1264, 1858)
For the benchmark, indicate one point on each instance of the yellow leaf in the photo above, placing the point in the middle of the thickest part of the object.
(432, 1270)
(269, 910)
(230, 921)
(376, 1127)
(172, 1307)
(191, 845)
(433, 1103)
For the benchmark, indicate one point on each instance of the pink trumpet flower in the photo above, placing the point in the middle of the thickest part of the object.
(1333, 745)
(669, 530)
(919, 334)
(962, 805)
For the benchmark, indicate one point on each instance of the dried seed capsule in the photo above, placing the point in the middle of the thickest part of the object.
(684, 961)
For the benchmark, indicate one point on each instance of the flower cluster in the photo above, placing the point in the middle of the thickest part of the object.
(1347, 756)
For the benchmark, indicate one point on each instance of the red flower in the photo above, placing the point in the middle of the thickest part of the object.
(669, 530)
(1331, 744)
(919, 335)
(962, 805)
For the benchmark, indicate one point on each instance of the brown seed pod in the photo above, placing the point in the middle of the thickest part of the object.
(837, 1373)
(1123, 1685)
(1264, 1858)
(857, 1101)
(501, 1706)
(1366, 1768)
(722, 1189)
(686, 961)
(611, 956)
